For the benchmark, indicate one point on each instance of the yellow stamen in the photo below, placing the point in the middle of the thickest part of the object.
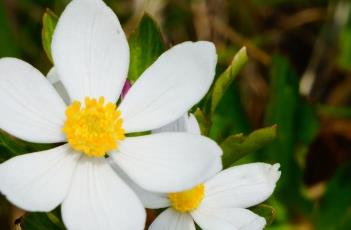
(94, 129)
(188, 200)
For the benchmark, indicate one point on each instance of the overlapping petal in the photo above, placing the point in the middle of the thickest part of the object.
(172, 220)
(241, 186)
(168, 162)
(54, 79)
(24, 92)
(90, 51)
(193, 125)
(149, 199)
(186, 123)
(38, 181)
(178, 79)
(99, 200)
(228, 219)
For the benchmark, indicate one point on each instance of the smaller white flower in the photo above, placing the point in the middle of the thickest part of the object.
(220, 202)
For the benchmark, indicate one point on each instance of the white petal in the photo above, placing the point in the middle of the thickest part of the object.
(228, 219)
(54, 79)
(100, 200)
(186, 123)
(149, 199)
(170, 87)
(53, 76)
(168, 162)
(172, 220)
(192, 125)
(178, 125)
(38, 181)
(30, 107)
(241, 186)
(90, 51)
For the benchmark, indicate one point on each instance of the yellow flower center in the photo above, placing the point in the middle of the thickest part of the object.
(95, 128)
(187, 200)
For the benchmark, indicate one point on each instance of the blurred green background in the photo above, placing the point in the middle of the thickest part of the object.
(298, 76)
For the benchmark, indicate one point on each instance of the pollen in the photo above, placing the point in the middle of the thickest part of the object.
(95, 128)
(188, 200)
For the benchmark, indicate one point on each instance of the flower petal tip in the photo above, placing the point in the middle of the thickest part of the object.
(274, 173)
(258, 223)
(211, 48)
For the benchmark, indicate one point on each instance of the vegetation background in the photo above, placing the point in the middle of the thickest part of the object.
(298, 76)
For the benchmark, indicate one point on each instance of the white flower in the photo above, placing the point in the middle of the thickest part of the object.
(218, 203)
(91, 57)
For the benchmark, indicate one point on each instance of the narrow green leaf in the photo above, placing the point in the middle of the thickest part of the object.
(42, 221)
(146, 45)
(238, 146)
(227, 77)
(334, 111)
(230, 116)
(49, 23)
(308, 123)
(335, 207)
(11, 146)
(203, 121)
(266, 211)
(284, 110)
(8, 46)
(344, 57)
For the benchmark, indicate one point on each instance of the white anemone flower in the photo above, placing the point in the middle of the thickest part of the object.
(220, 202)
(91, 57)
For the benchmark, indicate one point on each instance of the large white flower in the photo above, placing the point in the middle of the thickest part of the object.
(218, 203)
(91, 57)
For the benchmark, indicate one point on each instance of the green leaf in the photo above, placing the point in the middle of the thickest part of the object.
(8, 44)
(49, 23)
(230, 116)
(308, 123)
(227, 77)
(238, 146)
(11, 146)
(202, 120)
(335, 207)
(146, 45)
(266, 211)
(284, 110)
(42, 221)
(344, 59)
(334, 111)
